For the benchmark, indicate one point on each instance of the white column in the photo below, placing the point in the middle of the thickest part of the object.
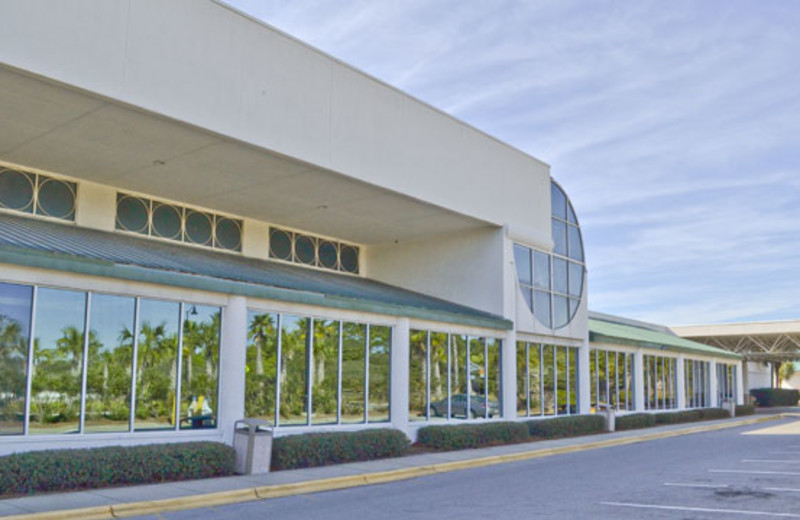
(232, 360)
(509, 362)
(638, 381)
(680, 382)
(584, 379)
(712, 384)
(741, 391)
(398, 406)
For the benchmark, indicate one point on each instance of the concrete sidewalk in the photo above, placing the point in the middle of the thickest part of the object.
(150, 499)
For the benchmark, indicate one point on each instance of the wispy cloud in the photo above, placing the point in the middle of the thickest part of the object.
(673, 126)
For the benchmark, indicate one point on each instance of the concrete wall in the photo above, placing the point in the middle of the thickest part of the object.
(202, 63)
(463, 267)
(758, 375)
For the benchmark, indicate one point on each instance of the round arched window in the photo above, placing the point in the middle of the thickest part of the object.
(552, 283)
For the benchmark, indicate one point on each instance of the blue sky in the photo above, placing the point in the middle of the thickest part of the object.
(673, 126)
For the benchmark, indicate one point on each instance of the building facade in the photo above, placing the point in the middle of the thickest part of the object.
(202, 219)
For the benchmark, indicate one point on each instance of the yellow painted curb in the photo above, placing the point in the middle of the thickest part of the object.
(175, 504)
(313, 486)
(86, 513)
(310, 486)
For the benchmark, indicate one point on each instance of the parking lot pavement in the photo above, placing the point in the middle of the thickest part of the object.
(737, 473)
(757, 474)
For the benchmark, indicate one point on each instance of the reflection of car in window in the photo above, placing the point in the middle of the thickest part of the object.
(458, 407)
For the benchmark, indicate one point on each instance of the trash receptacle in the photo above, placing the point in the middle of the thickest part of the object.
(730, 406)
(252, 440)
(610, 414)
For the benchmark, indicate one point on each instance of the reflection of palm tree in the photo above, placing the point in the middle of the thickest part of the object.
(13, 361)
(262, 327)
(438, 364)
(155, 357)
(69, 347)
(201, 347)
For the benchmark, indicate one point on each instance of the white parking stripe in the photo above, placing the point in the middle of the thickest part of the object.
(702, 510)
(782, 489)
(753, 472)
(679, 484)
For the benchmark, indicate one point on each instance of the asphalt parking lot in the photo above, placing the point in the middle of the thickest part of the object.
(735, 473)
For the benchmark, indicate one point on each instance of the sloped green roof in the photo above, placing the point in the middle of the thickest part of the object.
(606, 331)
(50, 245)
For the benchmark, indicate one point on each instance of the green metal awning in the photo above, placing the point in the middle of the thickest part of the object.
(607, 332)
(50, 245)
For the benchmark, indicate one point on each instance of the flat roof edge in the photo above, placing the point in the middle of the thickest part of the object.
(596, 336)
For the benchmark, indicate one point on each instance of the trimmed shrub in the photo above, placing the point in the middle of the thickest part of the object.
(634, 421)
(775, 396)
(321, 449)
(745, 409)
(694, 415)
(570, 426)
(678, 417)
(466, 436)
(68, 470)
(710, 414)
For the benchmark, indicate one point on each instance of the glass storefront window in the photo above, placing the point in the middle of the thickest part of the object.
(325, 372)
(157, 365)
(84, 383)
(380, 341)
(458, 376)
(199, 370)
(551, 387)
(15, 323)
(262, 366)
(418, 375)
(463, 380)
(354, 366)
(660, 382)
(108, 381)
(293, 373)
(339, 371)
(57, 361)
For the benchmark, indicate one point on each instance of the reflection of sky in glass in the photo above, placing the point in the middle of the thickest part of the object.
(155, 313)
(205, 314)
(15, 304)
(110, 317)
(57, 309)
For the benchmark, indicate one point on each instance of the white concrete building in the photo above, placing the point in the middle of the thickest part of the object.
(246, 226)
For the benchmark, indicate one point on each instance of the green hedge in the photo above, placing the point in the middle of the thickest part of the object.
(570, 426)
(775, 396)
(745, 409)
(321, 449)
(710, 414)
(634, 421)
(465, 436)
(67, 470)
(685, 416)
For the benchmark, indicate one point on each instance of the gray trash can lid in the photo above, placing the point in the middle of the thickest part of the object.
(252, 425)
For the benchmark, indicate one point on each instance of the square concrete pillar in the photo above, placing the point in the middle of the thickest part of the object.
(712, 385)
(680, 383)
(584, 379)
(638, 381)
(398, 403)
(509, 376)
(232, 361)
